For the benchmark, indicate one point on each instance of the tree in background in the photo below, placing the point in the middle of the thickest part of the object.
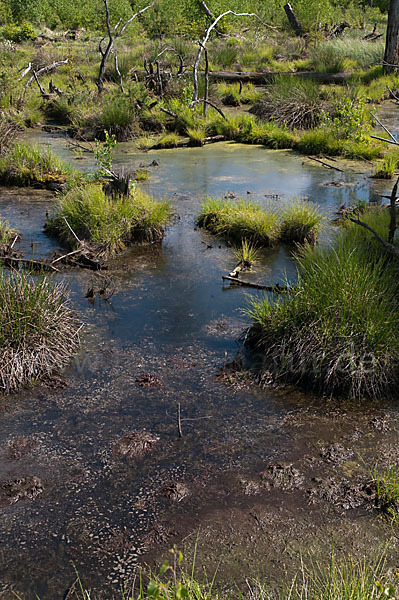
(391, 57)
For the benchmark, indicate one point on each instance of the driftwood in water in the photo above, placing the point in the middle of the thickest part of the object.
(278, 289)
(293, 19)
(325, 164)
(33, 265)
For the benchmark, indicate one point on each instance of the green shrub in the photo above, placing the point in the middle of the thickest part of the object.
(109, 224)
(38, 331)
(18, 33)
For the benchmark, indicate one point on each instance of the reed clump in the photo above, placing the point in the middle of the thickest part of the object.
(337, 333)
(108, 223)
(38, 330)
(245, 220)
(240, 220)
(25, 165)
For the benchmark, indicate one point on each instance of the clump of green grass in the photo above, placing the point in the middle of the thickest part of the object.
(300, 223)
(246, 254)
(341, 55)
(291, 101)
(169, 140)
(240, 220)
(344, 578)
(145, 142)
(109, 224)
(387, 490)
(337, 333)
(25, 165)
(38, 330)
(387, 167)
(321, 141)
(196, 135)
(7, 236)
(142, 174)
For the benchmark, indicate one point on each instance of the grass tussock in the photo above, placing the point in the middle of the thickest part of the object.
(292, 102)
(7, 236)
(38, 330)
(344, 578)
(337, 333)
(240, 220)
(300, 223)
(387, 491)
(246, 254)
(109, 224)
(25, 165)
(253, 224)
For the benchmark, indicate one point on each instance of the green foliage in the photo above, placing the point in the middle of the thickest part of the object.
(343, 54)
(110, 224)
(387, 167)
(170, 140)
(337, 332)
(18, 33)
(350, 119)
(103, 154)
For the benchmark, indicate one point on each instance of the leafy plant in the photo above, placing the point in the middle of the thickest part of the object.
(103, 154)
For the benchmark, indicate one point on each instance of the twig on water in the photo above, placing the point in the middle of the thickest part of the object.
(179, 429)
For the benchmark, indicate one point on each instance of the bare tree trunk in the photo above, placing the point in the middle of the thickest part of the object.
(113, 34)
(295, 24)
(391, 57)
(392, 210)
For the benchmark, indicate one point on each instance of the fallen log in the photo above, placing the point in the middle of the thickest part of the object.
(45, 70)
(187, 144)
(277, 289)
(261, 78)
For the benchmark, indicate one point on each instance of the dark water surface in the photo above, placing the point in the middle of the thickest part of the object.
(171, 317)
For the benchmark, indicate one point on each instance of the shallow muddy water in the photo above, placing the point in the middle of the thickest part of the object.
(160, 340)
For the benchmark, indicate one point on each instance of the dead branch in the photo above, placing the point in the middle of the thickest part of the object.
(325, 164)
(206, 38)
(200, 100)
(113, 34)
(206, 92)
(45, 70)
(392, 210)
(394, 96)
(384, 128)
(278, 289)
(36, 265)
(119, 73)
(25, 72)
(375, 137)
(389, 247)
